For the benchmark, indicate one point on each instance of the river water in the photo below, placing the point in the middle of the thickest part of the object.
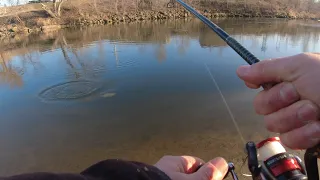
(137, 91)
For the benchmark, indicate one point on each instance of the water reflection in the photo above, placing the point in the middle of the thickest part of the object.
(135, 91)
(71, 40)
(10, 74)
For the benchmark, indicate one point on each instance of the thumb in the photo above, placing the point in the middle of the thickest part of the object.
(215, 169)
(271, 71)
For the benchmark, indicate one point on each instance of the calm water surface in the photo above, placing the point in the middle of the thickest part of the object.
(139, 91)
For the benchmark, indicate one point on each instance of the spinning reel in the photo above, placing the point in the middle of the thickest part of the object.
(268, 160)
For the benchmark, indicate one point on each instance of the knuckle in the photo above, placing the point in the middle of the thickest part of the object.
(300, 59)
(269, 124)
(208, 173)
(288, 93)
(307, 111)
(305, 54)
(316, 127)
(261, 103)
(287, 140)
(167, 157)
(314, 110)
(260, 68)
(257, 105)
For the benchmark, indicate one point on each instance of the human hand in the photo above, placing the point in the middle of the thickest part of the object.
(184, 167)
(291, 107)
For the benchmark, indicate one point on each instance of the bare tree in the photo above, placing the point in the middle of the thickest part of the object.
(145, 4)
(44, 7)
(95, 5)
(59, 7)
(116, 5)
(57, 4)
(5, 9)
(11, 2)
(296, 3)
(123, 6)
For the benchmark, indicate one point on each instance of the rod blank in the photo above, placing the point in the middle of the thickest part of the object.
(234, 44)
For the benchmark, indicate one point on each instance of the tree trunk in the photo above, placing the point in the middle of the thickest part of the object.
(95, 5)
(116, 6)
(59, 8)
(10, 2)
(123, 6)
(44, 7)
(137, 4)
(19, 20)
(55, 6)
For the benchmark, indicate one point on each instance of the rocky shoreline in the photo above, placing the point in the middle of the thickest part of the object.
(13, 29)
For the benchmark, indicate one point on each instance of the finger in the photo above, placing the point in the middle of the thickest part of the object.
(302, 138)
(190, 164)
(252, 86)
(215, 169)
(280, 96)
(267, 71)
(292, 117)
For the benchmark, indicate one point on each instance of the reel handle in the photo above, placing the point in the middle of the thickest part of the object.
(253, 164)
(311, 162)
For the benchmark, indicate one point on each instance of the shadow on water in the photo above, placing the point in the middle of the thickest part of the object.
(134, 91)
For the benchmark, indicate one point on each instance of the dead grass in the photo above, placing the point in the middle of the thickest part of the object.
(90, 9)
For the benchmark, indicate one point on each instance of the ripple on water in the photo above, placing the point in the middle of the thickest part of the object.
(70, 90)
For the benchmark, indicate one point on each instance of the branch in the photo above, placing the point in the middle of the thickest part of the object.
(44, 7)
(19, 20)
(59, 7)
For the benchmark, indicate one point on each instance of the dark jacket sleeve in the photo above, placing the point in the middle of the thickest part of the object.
(112, 169)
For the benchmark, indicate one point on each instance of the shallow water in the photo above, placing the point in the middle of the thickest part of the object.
(138, 91)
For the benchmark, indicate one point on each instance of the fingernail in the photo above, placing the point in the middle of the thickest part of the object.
(306, 112)
(220, 164)
(313, 129)
(244, 70)
(288, 93)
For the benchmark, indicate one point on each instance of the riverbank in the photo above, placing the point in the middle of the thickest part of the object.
(36, 18)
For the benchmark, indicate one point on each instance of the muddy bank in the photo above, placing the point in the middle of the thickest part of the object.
(36, 25)
(46, 24)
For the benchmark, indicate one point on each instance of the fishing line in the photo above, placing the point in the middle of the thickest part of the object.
(231, 116)
(226, 104)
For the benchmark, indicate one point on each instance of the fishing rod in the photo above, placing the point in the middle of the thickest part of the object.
(267, 160)
(234, 44)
